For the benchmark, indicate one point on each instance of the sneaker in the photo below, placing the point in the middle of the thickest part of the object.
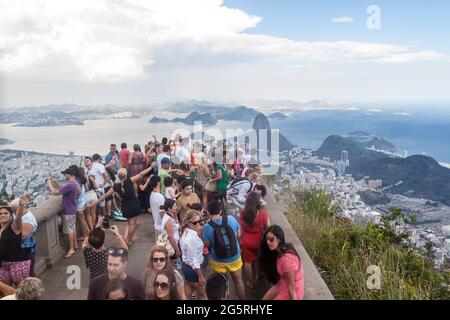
(118, 216)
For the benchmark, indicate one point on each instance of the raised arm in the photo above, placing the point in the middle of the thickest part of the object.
(17, 224)
(103, 197)
(52, 187)
(218, 175)
(122, 242)
(140, 175)
(144, 186)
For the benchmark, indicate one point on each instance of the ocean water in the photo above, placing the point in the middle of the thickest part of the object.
(96, 135)
(417, 133)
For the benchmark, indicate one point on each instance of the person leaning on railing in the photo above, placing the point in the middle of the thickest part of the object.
(281, 265)
(15, 263)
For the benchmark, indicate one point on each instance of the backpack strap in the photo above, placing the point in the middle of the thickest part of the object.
(215, 225)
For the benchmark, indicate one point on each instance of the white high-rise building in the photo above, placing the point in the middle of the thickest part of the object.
(344, 156)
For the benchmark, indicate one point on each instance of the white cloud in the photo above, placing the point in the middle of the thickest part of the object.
(342, 19)
(375, 110)
(113, 40)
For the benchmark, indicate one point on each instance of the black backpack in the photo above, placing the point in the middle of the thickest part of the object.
(225, 243)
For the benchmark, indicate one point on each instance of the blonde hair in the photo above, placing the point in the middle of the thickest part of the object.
(30, 289)
(122, 173)
(249, 171)
(253, 176)
(188, 217)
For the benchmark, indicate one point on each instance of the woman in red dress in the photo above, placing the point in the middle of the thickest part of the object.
(253, 222)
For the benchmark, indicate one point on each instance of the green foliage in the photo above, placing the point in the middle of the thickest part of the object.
(314, 202)
(270, 179)
(5, 199)
(343, 251)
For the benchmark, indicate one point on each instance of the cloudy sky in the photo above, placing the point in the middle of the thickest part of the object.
(148, 51)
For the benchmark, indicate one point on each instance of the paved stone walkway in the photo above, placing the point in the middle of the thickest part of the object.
(55, 279)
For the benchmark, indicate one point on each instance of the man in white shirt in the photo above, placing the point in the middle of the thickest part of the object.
(97, 172)
(182, 153)
(156, 201)
(164, 154)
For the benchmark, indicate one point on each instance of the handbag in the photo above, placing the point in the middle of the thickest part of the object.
(211, 186)
(163, 241)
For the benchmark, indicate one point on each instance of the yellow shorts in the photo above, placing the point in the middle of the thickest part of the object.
(224, 267)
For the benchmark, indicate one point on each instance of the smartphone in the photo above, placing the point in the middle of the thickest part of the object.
(105, 223)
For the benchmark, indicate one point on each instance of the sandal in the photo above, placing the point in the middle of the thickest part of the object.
(69, 254)
(130, 244)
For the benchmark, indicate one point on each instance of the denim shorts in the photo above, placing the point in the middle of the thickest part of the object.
(189, 274)
(108, 198)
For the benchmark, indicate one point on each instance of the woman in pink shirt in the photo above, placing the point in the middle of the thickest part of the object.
(281, 264)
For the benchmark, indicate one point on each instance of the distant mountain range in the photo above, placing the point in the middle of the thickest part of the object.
(67, 114)
(206, 118)
(420, 176)
(259, 123)
(5, 141)
(218, 112)
(417, 175)
(277, 116)
(333, 146)
(372, 141)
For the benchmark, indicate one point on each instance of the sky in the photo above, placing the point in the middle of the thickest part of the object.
(376, 53)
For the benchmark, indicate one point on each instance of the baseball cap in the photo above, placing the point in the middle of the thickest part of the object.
(166, 160)
(70, 171)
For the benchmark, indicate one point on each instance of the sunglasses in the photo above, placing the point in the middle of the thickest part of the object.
(271, 239)
(161, 285)
(163, 259)
(197, 222)
(117, 251)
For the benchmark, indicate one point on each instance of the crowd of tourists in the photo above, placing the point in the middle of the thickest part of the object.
(209, 217)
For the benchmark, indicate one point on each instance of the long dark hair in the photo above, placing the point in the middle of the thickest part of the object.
(267, 259)
(173, 293)
(78, 174)
(136, 148)
(11, 217)
(116, 284)
(252, 206)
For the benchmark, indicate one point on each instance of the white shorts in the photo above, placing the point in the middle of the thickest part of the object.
(100, 192)
(69, 223)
